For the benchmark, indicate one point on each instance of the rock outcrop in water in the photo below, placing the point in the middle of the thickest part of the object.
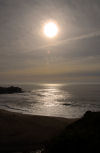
(10, 90)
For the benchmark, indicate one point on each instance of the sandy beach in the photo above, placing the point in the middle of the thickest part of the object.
(20, 132)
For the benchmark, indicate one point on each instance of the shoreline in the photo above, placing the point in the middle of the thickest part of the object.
(20, 132)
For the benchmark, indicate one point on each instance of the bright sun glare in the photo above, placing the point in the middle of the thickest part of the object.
(50, 29)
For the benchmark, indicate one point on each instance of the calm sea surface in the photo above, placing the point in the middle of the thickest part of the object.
(63, 100)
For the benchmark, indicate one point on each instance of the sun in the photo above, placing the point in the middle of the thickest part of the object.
(50, 29)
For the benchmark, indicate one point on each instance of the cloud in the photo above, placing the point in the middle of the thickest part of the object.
(62, 42)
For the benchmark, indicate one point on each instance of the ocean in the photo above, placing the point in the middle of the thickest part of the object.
(69, 100)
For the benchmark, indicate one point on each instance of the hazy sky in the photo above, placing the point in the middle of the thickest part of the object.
(26, 54)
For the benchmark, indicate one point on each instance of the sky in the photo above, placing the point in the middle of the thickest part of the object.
(27, 55)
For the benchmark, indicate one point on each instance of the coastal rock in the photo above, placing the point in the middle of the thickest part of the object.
(10, 90)
(79, 137)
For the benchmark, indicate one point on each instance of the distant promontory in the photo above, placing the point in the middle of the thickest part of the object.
(10, 90)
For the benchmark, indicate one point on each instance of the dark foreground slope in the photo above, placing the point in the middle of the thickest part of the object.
(24, 133)
(79, 137)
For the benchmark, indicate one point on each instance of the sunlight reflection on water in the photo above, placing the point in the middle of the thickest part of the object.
(51, 100)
